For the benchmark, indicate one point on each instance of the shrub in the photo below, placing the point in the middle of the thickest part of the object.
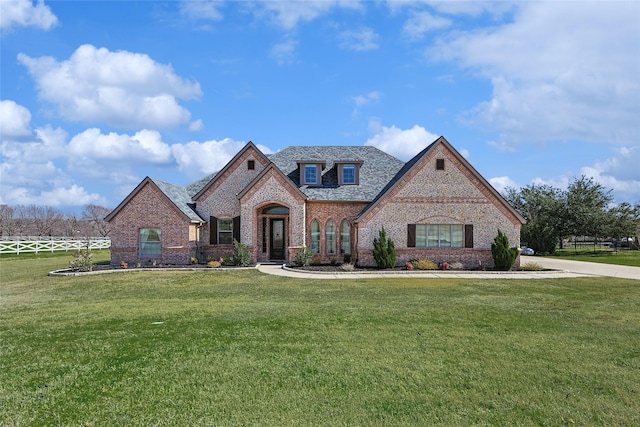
(333, 260)
(532, 266)
(316, 259)
(303, 257)
(82, 260)
(503, 256)
(241, 255)
(194, 260)
(124, 264)
(456, 266)
(424, 264)
(443, 266)
(347, 259)
(213, 264)
(384, 250)
(408, 265)
(347, 267)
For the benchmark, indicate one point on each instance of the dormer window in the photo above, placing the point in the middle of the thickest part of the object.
(311, 172)
(349, 172)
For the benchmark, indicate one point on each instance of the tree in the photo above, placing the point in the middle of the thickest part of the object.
(587, 203)
(503, 256)
(545, 209)
(46, 219)
(623, 221)
(384, 250)
(6, 220)
(95, 215)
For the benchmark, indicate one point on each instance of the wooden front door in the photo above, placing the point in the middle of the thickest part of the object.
(278, 239)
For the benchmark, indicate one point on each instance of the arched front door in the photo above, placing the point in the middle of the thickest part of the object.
(274, 220)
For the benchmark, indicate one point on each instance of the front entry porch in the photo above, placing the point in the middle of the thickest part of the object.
(273, 233)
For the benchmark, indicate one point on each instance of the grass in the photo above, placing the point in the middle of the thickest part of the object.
(601, 254)
(242, 348)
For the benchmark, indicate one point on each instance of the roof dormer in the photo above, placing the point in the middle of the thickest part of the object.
(348, 171)
(311, 171)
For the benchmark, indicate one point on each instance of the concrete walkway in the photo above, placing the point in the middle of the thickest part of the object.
(561, 269)
(586, 268)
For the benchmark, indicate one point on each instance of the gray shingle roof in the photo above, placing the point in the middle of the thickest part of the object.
(180, 197)
(377, 169)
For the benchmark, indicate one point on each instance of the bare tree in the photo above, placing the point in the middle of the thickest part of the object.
(20, 220)
(6, 220)
(46, 219)
(95, 215)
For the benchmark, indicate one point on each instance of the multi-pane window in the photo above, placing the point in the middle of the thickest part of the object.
(310, 174)
(330, 237)
(315, 237)
(439, 236)
(150, 243)
(225, 231)
(348, 174)
(345, 237)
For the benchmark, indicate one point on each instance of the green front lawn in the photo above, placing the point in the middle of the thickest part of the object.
(242, 348)
(601, 254)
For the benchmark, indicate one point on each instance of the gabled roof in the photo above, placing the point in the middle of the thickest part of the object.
(271, 167)
(377, 169)
(175, 194)
(250, 145)
(412, 163)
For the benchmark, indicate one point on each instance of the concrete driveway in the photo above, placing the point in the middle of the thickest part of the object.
(582, 267)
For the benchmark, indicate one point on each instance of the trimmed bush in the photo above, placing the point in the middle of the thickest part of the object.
(303, 257)
(503, 256)
(384, 250)
(82, 260)
(241, 255)
(424, 264)
(532, 266)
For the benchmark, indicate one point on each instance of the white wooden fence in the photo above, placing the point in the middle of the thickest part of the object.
(51, 245)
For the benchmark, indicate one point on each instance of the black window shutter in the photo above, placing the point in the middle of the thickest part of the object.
(213, 230)
(468, 236)
(236, 228)
(411, 235)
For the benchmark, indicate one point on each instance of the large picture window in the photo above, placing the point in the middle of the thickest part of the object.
(345, 238)
(150, 242)
(315, 237)
(330, 237)
(439, 236)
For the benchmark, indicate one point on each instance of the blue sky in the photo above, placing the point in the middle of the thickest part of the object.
(97, 95)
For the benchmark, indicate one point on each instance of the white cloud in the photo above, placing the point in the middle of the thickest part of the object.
(284, 52)
(621, 173)
(16, 120)
(196, 125)
(423, 22)
(287, 14)
(24, 13)
(145, 146)
(358, 40)
(118, 88)
(361, 100)
(559, 72)
(501, 183)
(197, 9)
(403, 144)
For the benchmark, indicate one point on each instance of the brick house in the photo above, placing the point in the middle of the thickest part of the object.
(332, 199)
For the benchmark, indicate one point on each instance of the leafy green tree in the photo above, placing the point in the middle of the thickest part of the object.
(545, 209)
(503, 256)
(587, 203)
(384, 250)
(623, 221)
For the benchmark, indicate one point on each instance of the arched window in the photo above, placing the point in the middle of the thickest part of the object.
(345, 237)
(330, 238)
(315, 237)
